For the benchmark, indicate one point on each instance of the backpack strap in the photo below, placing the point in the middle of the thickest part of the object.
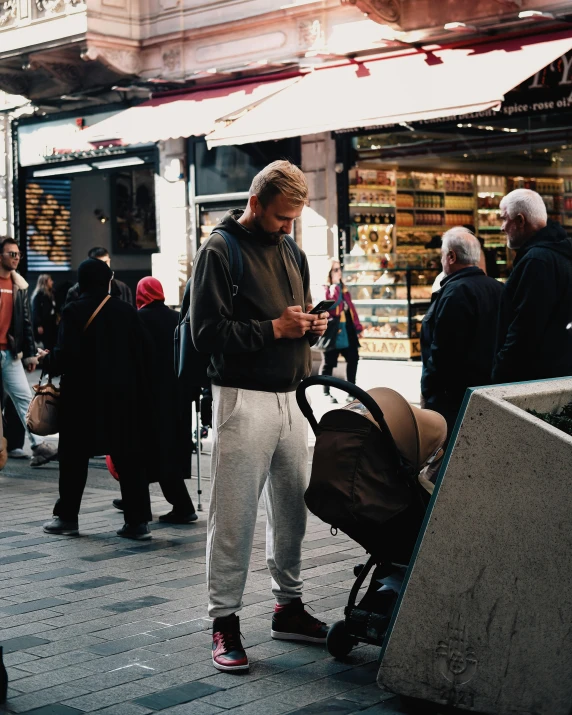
(294, 250)
(234, 258)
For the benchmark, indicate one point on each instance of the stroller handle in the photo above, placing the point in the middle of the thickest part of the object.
(367, 401)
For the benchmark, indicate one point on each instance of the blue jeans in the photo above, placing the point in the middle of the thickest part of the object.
(17, 387)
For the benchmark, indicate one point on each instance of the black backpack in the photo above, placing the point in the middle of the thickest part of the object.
(191, 365)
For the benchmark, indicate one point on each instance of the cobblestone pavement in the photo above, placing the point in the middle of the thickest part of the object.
(100, 624)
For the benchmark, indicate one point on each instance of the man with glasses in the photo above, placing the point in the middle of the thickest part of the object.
(17, 347)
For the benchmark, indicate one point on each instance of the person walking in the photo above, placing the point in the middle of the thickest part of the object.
(118, 288)
(258, 334)
(534, 339)
(17, 347)
(169, 463)
(102, 356)
(44, 312)
(344, 323)
(458, 332)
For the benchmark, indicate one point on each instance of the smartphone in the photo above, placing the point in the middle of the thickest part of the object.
(322, 307)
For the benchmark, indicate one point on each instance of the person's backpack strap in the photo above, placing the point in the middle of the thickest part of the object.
(234, 258)
(294, 250)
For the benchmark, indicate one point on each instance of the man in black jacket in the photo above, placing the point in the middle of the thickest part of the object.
(118, 288)
(459, 330)
(534, 341)
(17, 346)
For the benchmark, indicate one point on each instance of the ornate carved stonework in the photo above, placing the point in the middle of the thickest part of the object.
(172, 59)
(50, 7)
(386, 12)
(8, 12)
(310, 34)
(65, 72)
(121, 60)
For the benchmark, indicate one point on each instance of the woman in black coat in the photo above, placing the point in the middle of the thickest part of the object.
(44, 312)
(169, 463)
(104, 403)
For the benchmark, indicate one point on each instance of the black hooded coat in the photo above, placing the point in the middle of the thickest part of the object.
(533, 341)
(105, 371)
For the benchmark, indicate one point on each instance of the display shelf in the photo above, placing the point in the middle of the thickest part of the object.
(373, 206)
(490, 228)
(373, 187)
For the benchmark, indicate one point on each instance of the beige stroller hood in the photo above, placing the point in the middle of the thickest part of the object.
(418, 434)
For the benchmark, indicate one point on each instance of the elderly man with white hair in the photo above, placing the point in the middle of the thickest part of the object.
(459, 330)
(533, 339)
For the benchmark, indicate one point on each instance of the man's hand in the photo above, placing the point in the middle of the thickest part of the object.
(41, 354)
(319, 322)
(293, 323)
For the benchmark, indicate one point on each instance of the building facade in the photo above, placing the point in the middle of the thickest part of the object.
(81, 64)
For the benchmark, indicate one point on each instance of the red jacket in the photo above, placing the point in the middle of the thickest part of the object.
(333, 293)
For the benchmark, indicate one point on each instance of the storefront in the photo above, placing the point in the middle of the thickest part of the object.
(73, 196)
(446, 136)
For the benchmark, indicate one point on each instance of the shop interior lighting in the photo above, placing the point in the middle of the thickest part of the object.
(78, 168)
(116, 163)
(459, 27)
(100, 216)
(488, 128)
(535, 15)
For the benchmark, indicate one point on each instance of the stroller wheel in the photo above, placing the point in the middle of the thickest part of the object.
(339, 642)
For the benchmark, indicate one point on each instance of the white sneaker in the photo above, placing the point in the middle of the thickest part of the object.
(18, 454)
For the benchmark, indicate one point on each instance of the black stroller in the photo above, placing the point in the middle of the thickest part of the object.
(365, 482)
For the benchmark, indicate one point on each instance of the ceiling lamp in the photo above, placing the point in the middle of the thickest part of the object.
(459, 27)
(535, 15)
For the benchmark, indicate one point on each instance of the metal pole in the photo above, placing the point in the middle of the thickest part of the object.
(198, 443)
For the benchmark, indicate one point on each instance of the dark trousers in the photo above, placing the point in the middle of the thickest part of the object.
(73, 477)
(351, 356)
(177, 494)
(13, 428)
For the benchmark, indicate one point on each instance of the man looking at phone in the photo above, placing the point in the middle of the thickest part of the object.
(259, 335)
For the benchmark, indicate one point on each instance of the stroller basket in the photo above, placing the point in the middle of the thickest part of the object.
(364, 482)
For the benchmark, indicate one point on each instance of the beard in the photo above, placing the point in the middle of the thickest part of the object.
(270, 235)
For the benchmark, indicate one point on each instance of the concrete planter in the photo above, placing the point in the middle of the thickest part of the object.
(485, 619)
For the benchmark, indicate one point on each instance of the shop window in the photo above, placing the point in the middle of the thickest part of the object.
(134, 227)
(230, 169)
(48, 228)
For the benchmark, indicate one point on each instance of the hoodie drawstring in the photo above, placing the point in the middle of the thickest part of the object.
(281, 250)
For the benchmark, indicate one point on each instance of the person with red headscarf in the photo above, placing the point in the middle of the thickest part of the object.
(169, 459)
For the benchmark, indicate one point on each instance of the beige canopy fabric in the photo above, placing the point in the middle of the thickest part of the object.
(411, 85)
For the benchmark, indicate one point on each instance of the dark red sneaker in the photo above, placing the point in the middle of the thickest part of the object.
(293, 623)
(228, 653)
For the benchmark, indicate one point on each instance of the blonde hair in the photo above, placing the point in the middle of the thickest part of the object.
(280, 177)
(42, 285)
(333, 262)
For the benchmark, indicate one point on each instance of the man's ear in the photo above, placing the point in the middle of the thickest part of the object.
(519, 218)
(253, 203)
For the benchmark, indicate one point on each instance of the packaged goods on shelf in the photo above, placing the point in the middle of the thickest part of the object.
(459, 202)
(491, 184)
(405, 218)
(405, 201)
(458, 182)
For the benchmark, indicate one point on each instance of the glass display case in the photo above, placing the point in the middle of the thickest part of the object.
(390, 302)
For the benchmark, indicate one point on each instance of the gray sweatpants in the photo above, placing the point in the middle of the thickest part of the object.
(260, 442)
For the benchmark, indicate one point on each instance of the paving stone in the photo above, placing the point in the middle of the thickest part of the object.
(107, 556)
(330, 705)
(175, 696)
(369, 695)
(51, 678)
(42, 665)
(54, 573)
(22, 643)
(6, 534)
(29, 606)
(128, 606)
(197, 707)
(4, 560)
(47, 696)
(56, 709)
(184, 582)
(241, 694)
(94, 583)
(122, 645)
(123, 709)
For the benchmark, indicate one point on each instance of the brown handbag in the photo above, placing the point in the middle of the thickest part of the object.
(42, 417)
